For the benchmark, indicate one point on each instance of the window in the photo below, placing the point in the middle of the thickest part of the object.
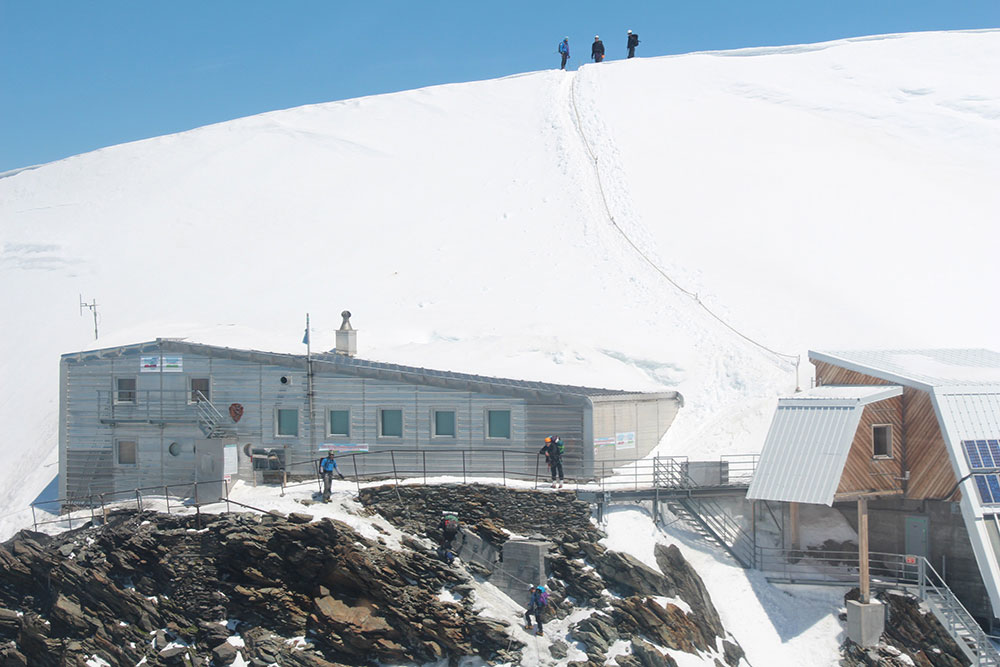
(340, 423)
(287, 422)
(125, 390)
(444, 424)
(390, 423)
(882, 441)
(174, 449)
(200, 385)
(127, 453)
(498, 424)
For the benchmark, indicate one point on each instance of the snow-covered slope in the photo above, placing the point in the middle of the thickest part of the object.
(841, 194)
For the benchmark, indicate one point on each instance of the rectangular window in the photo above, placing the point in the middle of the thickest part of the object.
(390, 423)
(444, 423)
(127, 453)
(882, 441)
(200, 385)
(125, 390)
(498, 424)
(287, 422)
(340, 423)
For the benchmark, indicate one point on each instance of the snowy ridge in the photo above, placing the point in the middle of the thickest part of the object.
(465, 228)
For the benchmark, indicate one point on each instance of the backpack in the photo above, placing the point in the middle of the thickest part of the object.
(543, 596)
(451, 523)
(562, 47)
(560, 447)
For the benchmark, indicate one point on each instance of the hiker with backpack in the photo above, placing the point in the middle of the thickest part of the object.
(633, 41)
(553, 450)
(564, 51)
(538, 599)
(327, 467)
(597, 49)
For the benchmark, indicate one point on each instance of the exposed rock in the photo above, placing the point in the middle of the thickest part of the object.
(690, 588)
(631, 576)
(224, 653)
(558, 649)
(648, 656)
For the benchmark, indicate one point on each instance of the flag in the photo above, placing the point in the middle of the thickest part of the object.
(305, 337)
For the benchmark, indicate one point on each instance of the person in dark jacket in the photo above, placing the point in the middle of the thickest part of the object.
(597, 49)
(553, 450)
(564, 51)
(327, 467)
(633, 41)
(537, 600)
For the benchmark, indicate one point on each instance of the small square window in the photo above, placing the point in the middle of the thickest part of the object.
(287, 422)
(127, 452)
(340, 423)
(391, 423)
(498, 424)
(200, 386)
(125, 390)
(444, 423)
(882, 441)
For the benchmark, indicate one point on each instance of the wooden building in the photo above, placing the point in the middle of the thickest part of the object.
(169, 412)
(917, 433)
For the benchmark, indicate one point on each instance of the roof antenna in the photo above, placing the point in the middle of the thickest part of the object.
(93, 309)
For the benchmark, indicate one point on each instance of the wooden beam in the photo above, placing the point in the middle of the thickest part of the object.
(872, 495)
(863, 550)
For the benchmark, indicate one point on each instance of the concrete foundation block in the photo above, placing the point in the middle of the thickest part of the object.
(865, 622)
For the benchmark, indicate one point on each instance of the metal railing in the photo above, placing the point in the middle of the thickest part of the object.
(886, 570)
(198, 494)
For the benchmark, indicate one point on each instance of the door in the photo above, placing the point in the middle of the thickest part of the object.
(208, 471)
(916, 536)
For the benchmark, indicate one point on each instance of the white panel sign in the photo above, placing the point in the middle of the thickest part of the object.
(230, 466)
(149, 364)
(625, 440)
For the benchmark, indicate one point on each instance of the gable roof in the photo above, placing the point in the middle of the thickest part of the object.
(809, 440)
(922, 369)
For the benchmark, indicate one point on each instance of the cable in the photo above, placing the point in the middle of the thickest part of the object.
(611, 217)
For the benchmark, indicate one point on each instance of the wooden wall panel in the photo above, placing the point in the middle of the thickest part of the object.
(924, 452)
(863, 472)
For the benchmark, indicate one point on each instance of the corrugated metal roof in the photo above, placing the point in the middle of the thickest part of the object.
(808, 443)
(921, 368)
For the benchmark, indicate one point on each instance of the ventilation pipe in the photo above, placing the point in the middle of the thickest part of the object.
(347, 337)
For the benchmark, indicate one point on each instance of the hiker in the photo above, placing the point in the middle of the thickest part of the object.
(553, 450)
(328, 466)
(564, 51)
(538, 598)
(633, 41)
(597, 49)
(449, 529)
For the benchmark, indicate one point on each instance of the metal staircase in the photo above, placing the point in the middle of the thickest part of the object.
(956, 619)
(210, 420)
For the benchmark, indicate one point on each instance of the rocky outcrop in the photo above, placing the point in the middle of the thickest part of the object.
(690, 588)
(108, 590)
(911, 637)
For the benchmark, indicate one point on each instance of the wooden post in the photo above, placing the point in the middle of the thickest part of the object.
(863, 550)
(793, 518)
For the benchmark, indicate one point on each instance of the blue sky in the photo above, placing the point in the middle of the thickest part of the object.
(76, 76)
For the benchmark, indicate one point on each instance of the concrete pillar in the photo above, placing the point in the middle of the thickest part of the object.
(865, 622)
(523, 566)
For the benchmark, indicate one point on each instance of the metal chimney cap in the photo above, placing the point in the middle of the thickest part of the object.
(346, 324)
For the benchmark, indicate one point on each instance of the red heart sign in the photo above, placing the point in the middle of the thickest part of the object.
(235, 411)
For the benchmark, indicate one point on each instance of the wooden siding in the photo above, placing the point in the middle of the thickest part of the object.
(864, 472)
(924, 452)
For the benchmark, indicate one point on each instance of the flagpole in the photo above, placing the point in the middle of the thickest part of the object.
(309, 377)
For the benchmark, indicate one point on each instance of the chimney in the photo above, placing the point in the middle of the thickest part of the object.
(347, 337)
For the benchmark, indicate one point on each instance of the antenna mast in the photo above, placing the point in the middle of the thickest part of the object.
(93, 309)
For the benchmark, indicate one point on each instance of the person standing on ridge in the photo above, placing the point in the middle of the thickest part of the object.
(564, 51)
(633, 41)
(597, 49)
(328, 466)
(553, 450)
(538, 598)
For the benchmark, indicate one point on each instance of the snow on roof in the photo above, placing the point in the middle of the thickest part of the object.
(808, 443)
(923, 368)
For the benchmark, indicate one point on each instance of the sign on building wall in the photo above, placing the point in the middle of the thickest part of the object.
(166, 364)
(625, 440)
(338, 448)
(604, 443)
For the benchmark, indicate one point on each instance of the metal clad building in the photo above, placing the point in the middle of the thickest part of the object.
(172, 412)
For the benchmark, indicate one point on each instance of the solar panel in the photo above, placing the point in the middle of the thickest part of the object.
(994, 484)
(984, 454)
(985, 496)
(975, 463)
(994, 447)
